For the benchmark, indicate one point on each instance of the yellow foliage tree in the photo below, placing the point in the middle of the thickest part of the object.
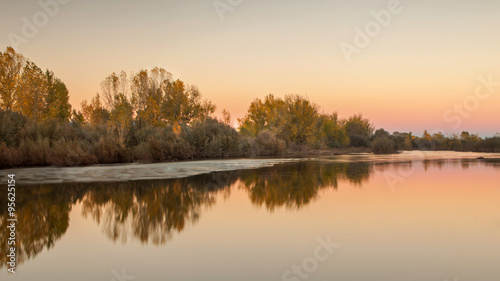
(11, 65)
(32, 92)
(94, 112)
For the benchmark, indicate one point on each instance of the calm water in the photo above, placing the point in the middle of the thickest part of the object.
(383, 218)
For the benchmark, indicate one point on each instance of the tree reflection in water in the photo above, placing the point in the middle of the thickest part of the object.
(42, 218)
(296, 185)
(152, 211)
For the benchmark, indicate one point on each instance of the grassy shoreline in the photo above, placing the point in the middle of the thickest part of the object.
(304, 152)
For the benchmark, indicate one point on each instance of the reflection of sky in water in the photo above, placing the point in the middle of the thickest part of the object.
(440, 222)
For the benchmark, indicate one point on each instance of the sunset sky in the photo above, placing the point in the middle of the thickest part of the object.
(427, 59)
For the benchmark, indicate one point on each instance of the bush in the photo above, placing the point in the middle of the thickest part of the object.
(488, 145)
(266, 144)
(245, 147)
(359, 141)
(108, 150)
(211, 138)
(70, 153)
(9, 157)
(159, 144)
(35, 152)
(10, 125)
(383, 145)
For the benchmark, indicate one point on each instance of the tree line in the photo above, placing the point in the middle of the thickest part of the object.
(148, 116)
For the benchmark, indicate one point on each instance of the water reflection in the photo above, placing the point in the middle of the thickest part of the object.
(296, 185)
(152, 211)
(42, 219)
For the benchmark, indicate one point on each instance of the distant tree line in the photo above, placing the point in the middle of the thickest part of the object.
(148, 116)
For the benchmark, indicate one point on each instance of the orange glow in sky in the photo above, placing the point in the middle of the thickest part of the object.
(425, 62)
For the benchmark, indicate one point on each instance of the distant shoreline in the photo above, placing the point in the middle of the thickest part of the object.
(290, 154)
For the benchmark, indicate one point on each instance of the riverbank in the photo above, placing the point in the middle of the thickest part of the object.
(310, 152)
(134, 171)
(182, 169)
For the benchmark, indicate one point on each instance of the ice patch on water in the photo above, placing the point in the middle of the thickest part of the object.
(127, 172)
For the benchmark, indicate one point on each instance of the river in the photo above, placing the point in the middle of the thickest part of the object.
(430, 216)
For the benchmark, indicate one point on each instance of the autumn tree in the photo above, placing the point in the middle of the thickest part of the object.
(262, 115)
(94, 112)
(256, 119)
(121, 117)
(147, 96)
(140, 89)
(77, 116)
(183, 104)
(158, 79)
(331, 131)
(58, 106)
(426, 135)
(115, 90)
(294, 120)
(26, 89)
(110, 89)
(11, 66)
(32, 93)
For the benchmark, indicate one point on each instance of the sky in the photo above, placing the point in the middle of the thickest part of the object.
(407, 65)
